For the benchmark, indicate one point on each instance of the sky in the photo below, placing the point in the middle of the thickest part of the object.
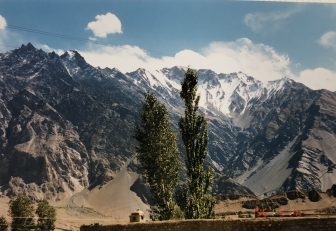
(265, 39)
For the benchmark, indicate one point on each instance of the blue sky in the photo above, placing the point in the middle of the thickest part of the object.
(265, 39)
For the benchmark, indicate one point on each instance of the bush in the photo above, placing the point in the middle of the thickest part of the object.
(295, 194)
(46, 216)
(3, 224)
(21, 210)
(333, 190)
(266, 204)
(251, 204)
(314, 196)
(92, 227)
(281, 200)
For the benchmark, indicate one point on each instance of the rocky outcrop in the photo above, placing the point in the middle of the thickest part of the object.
(59, 133)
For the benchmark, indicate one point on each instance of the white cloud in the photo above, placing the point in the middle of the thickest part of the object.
(93, 39)
(105, 24)
(318, 78)
(9, 40)
(47, 48)
(258, 60)
(259, 21)
(126, 57)
(3, 23)
(328, 39)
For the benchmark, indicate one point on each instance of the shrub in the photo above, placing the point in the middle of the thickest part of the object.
(314, 196)
(21, 210)
(333, 190)
(281, 200)
(46, 216)
(3, 224)
(295, 194)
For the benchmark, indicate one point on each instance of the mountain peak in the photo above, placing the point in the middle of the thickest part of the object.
(245, 78)
(72, 56)
(141, 70)
(280, 83)
(26, 54)
(28, 47)
(175, 73)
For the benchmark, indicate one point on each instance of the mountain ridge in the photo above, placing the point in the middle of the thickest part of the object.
(83, 118)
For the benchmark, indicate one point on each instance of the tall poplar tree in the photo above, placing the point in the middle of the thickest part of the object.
(158, 155)
(198, 202)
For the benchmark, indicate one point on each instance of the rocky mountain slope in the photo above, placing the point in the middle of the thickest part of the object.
(65, 125)
(61, 130)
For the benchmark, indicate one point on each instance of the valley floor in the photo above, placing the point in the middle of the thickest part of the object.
(110, 206)
(113, 203)
(303, 205)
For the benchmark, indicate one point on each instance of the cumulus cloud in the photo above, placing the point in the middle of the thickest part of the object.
(3, 23)
(126, 58)
(258, 60)
(328, 39)
(105, 24)
(318, 78)
(258, 21)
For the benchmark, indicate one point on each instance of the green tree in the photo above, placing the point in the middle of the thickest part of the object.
(3, 224)
(46, 216)
(158, 155)
(197, 200)
(21, 210)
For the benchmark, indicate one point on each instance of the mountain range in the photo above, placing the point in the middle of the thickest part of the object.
(66, 125)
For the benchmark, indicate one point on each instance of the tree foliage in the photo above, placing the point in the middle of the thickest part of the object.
(21, 210)
(197, 202)
(46, 216)
(158, 155)
(3, 224)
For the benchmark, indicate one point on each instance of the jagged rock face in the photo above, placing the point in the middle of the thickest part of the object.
(289, 141)
(65, 125)
(314, 151)
(61, 130)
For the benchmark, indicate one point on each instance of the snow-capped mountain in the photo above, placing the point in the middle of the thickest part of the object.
(74, 124)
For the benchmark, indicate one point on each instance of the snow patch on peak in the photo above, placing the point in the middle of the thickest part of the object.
(227, 93)
(278, 85)
(222, 94)
(153, 79)
(71, 54)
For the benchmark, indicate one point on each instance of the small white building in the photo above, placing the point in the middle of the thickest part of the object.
(137, 216)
